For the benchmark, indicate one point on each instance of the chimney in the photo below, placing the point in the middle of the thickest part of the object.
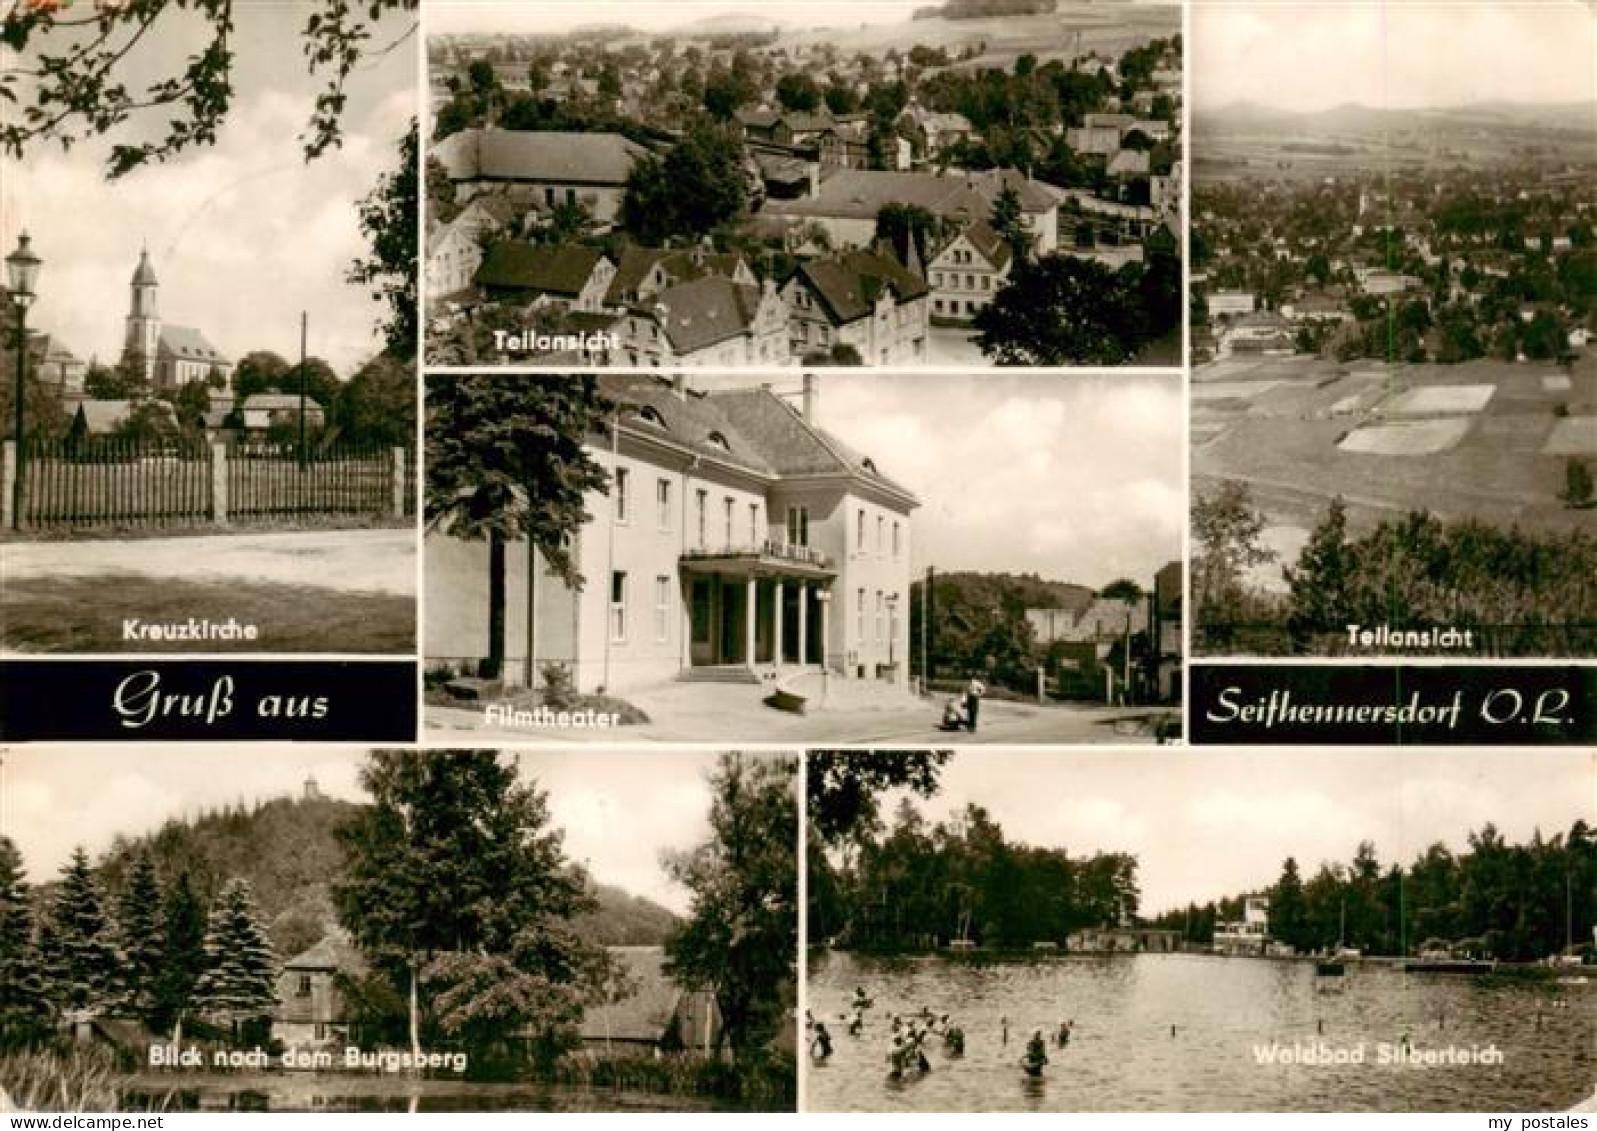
(679, 386)
(809, 399)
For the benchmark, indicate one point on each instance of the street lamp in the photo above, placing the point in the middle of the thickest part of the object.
(22, 274)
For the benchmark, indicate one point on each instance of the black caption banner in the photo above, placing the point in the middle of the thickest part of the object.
(207, 701)
(1393, 704)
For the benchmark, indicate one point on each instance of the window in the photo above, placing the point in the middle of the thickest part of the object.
(701, 509)
(716, 439)
(881, 527)
(859, 532)
(754, 525)
(881, 609)
(662, 607)
(896, 550)
(623, 482)
(859, 615)
(662, 503)
(726, 520)
(798, 526)
(892, 618)
(303, 989)
(618, 605)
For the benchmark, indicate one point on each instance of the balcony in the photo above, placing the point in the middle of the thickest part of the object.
(766, 558)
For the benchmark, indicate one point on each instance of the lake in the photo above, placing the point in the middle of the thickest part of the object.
(313, 1093)
(1225, 1011)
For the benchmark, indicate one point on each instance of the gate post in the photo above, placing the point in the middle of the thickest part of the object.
(219, 484)
(399, 482)
(8, 487)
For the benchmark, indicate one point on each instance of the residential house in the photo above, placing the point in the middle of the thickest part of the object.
(847, 203)
(1128, 163)
(1102, 140)
(739, 541)
(658, 1015)
(454, 248)
(54, 365)
(546, 168)
(863, 299)
(967, 271)
(1263, 331)
(646, 271)
(262, 410)
(1228, 303)
(712, 320)
(311, 1009)
(570, 276)
(930, 132)
(842, 142)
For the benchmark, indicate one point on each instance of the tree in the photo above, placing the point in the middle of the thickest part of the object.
(1226, 529)
(147, 424)
(1121, 589)
(378, 404)
(698, 186)
(24, 1008)
(902, 225)
(1321, 581)
(798, 92)
(191, 402)
(260, 371)
(118, 384)
(844, 786)
(236, 987)
(140, 939)
(76, 951)
(182, 952)
(740, 939)
(1009, 222)
(456, 880)
(79, 84)
(505, 461)
(1064, 310)
(388, 220)
(1288, 911)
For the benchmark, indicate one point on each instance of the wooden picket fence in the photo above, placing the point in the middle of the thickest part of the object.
(104, 482)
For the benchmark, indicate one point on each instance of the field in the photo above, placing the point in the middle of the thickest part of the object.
(1481, 440)
(1109, 30)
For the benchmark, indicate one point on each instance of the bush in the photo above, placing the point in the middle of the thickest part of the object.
(559, 692)
(1577, 483)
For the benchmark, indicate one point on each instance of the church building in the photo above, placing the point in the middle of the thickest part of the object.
(169, 356)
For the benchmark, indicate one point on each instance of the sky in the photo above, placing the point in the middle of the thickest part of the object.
(1077, 478)
(243, 235)
(619, 808)
(1398, 53)
(557, 16)
(1213, 824)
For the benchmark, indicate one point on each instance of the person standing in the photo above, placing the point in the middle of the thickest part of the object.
(974, 690)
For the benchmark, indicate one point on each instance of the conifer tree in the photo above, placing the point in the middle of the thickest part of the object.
(141, 937)
(24, 1010)
(77, 954)
(236, 985)
(183, 951)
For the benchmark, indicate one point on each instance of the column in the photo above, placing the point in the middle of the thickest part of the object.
(804, 623)
(753, 605)
(776, 626)
(826, 630)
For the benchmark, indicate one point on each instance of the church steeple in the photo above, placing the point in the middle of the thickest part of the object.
(143, 337)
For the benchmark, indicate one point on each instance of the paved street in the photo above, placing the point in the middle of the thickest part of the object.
(696, 712)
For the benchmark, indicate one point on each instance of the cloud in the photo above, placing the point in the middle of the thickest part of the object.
(1076, 478)
(244, 234)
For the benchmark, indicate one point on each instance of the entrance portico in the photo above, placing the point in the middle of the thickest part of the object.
(756, 606)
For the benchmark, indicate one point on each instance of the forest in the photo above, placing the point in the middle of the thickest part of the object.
(1496, 899)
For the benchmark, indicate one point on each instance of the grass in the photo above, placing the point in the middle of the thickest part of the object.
(85, 614)
(80, 1081)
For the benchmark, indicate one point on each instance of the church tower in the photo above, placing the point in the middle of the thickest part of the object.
(144, 320)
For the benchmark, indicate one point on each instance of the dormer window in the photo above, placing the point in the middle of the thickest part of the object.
(870, 466)
(717, 440)
(648, 413)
